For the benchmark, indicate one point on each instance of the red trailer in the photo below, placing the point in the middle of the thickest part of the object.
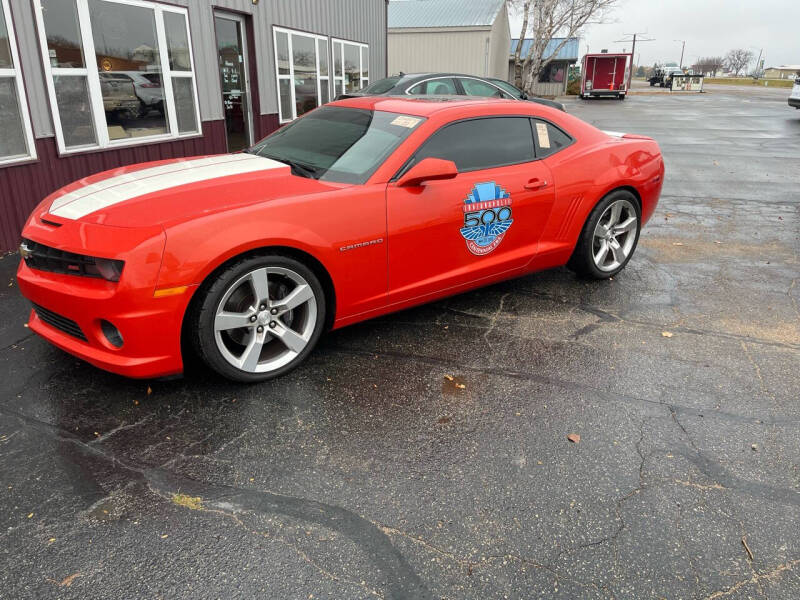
(605, 75)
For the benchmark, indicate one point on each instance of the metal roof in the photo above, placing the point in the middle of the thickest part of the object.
(443, 13)
(568, 52)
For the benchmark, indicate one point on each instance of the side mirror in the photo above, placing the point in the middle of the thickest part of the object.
(524, 96)
(428, 169)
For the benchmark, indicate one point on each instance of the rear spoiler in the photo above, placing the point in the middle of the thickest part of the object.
(627, 136)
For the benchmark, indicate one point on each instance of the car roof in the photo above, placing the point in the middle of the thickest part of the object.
(436, 75)
(420, 106)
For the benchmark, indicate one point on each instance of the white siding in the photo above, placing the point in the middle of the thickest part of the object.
(500, 45)
(357, 20)
(457, 50)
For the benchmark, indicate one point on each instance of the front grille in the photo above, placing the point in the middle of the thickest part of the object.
(64, 324)
(44, 258)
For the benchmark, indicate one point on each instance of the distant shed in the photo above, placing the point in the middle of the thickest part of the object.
(459, 36)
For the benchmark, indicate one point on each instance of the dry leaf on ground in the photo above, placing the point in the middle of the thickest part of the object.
(67, 581)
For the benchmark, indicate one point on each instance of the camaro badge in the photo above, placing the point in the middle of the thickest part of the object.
(487, 217)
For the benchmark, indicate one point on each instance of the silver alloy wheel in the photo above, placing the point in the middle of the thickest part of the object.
(265, 319)
(614, 235)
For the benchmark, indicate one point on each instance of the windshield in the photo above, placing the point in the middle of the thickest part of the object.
(379, 87)
(513, 90)
(340, 144)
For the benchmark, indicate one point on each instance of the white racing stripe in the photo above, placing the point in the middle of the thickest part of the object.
(114, 190)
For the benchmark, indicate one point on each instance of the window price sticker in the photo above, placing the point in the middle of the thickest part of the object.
(405, 121)
(543, 135)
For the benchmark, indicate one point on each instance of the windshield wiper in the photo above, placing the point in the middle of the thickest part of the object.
(297, 168)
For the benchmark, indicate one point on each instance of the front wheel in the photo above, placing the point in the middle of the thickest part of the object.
(609, 237)
(259, 318)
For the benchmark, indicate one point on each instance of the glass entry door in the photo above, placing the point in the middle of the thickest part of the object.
(234, 77)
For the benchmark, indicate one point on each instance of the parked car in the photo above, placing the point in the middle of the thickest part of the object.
(446, 84)
(662, 76)
(794, 97)
(147, 87)
(119, 95)
(359, 208)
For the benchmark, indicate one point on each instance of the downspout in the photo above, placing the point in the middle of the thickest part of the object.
(486, 59)
(386, 41)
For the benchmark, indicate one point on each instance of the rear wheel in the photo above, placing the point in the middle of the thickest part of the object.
(259, 318)
(609, 237)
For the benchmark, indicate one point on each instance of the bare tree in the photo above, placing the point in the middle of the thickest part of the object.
(738, 59)
(708, 64)
(544, 19)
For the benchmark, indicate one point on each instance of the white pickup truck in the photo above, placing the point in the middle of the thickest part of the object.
(794, 98)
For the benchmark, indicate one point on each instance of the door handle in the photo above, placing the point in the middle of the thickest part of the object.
(535, 184)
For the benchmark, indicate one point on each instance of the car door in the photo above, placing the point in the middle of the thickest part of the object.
(484, 222)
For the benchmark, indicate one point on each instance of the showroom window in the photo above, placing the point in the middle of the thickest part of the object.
(120, 72)
(350, 66)
(301, 62)
(16, 141)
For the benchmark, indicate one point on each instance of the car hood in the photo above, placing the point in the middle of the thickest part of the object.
(171, 191)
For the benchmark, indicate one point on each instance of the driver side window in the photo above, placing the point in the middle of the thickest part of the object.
(475, 87)
(481, 143)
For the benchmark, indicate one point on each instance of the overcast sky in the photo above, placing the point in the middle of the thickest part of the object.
(710, 27)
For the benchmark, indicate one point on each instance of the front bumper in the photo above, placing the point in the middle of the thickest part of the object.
(794, 102)
(150, 326)
(600, 93)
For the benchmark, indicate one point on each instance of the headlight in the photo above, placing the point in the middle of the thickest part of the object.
(44, 258)
(108, 268)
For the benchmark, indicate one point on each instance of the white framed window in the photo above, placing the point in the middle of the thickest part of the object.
(350, 66)
(119, 72)
(303, 71)
(16, 136)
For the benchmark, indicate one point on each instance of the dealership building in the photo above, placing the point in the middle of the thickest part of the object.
(90, 85)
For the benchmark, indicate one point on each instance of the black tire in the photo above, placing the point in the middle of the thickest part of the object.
(582, 260)
(202, 316)
(652, 84)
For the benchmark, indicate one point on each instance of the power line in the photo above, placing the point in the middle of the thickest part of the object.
(633, 49)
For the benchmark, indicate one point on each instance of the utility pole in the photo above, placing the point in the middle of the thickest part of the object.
(758, 62)
(633, 50)
(683, 47)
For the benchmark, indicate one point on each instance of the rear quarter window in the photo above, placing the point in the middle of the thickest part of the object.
(549, 138)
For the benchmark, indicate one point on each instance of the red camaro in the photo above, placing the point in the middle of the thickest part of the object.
(359, 208)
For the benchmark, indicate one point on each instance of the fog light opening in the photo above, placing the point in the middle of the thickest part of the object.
(112, 334)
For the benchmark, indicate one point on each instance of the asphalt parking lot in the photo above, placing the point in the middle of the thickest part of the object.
(425, 454)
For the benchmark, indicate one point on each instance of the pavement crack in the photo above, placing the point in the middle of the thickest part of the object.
(18, 342)
(756, 579)
(757, 369)
(469, 565)
(493, 319)
(611, 317)
(222, 509)
(401, 580)
(121, 427)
